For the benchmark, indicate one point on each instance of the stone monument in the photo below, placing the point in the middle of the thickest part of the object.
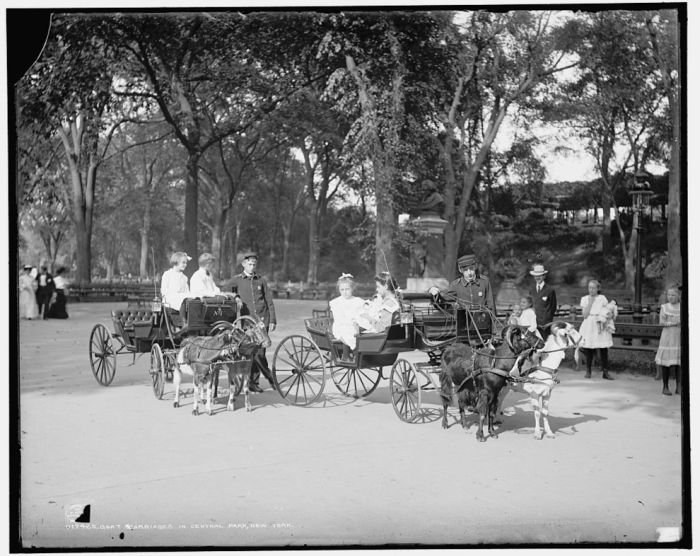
(428, 251)
(509, 268)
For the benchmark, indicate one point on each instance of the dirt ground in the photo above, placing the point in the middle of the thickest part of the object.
(340, 473)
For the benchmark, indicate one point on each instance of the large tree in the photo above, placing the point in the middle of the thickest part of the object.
(65, 97)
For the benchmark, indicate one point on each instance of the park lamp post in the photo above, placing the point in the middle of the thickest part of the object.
(641, 195)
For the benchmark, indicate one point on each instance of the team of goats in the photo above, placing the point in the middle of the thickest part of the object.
(479, 377)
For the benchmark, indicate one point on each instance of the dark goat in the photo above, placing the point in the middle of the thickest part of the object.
(491, 372)
(456, 370)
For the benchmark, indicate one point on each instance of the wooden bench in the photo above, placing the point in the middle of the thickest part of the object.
(636, 336)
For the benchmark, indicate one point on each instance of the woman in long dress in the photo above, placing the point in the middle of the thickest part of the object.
(596, 335)
(27, 295)
(57, 310)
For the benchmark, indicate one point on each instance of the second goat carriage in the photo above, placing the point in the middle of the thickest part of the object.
(218, 340)
(302, 363)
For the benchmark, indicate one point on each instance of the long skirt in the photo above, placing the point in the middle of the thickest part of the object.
(57, 310)
(27, 305)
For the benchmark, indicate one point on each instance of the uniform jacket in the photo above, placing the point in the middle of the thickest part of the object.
(544, 303)
(256, 297)
(476, 292)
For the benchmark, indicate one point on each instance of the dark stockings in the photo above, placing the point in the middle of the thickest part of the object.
(666, 373)
(602, 356)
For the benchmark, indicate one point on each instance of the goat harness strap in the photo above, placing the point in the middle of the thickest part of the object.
(535, 368)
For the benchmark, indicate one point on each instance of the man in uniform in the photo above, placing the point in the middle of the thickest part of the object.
(470, 289)
(255, 298)
(544, 299)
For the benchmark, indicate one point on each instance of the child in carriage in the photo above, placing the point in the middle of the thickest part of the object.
(383, 309)
(346, 309)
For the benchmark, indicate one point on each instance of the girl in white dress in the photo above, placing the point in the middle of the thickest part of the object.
(383, 309)
(596, 336)
(346, 309)
(527, 315)
(669, 353)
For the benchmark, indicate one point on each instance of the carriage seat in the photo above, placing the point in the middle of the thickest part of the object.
(132, 322)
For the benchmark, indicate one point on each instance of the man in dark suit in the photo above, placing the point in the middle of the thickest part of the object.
(255, 298)
(544, 299)
(44, 291)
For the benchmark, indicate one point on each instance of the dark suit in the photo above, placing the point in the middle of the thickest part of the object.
(544, 304)
(257, 301)
(44, 291)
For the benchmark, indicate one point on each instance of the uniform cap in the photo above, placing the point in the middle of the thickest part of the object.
(466, 260)
(250, 255)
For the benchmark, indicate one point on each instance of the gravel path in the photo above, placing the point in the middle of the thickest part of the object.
(339, 473)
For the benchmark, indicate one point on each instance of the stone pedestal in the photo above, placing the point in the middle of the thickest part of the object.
(508, 295)
(428, 255)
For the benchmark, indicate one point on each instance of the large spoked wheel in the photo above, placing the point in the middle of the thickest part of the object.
(157, 371)
(356, 383)
(405, 390)
(299, 370)
(103, 356)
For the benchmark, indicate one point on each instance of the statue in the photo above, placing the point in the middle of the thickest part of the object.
(434, 202)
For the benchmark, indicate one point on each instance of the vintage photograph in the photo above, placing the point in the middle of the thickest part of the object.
(348, 277)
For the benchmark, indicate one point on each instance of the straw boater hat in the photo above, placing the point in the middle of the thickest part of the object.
(538, 270)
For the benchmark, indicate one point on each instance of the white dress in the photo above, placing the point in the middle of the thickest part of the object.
(345, 313)
(202, 284)
(174, 288)
(529, 318)
(27, 297)
(378, 313)
(595, 336)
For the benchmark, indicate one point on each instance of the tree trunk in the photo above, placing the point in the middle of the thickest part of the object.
(145, 236)
(191, 209)
(314, 248)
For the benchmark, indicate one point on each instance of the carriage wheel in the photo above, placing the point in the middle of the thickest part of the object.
(157, 371)
(299, 370)
(405, 390)
(103, 356)
(356, 383)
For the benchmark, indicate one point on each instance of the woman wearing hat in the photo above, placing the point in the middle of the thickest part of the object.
(544, 299)
(174, 287)
(27, 298)
(57, 310)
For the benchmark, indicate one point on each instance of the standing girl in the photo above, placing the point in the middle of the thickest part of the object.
(595, 337)
(346, 308)
(669, 352)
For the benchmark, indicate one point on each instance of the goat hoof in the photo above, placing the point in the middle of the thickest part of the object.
(229, 407)
(445, 425)
(195, 412)
(551, 435)
(494, 435)
(537, 436)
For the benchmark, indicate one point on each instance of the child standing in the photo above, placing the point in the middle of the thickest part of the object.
(669, 353)
(345, 309)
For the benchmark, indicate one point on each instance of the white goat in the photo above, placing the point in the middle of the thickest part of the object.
(539, 380)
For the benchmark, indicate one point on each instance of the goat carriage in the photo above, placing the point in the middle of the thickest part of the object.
(301, 362)
(161, 333)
